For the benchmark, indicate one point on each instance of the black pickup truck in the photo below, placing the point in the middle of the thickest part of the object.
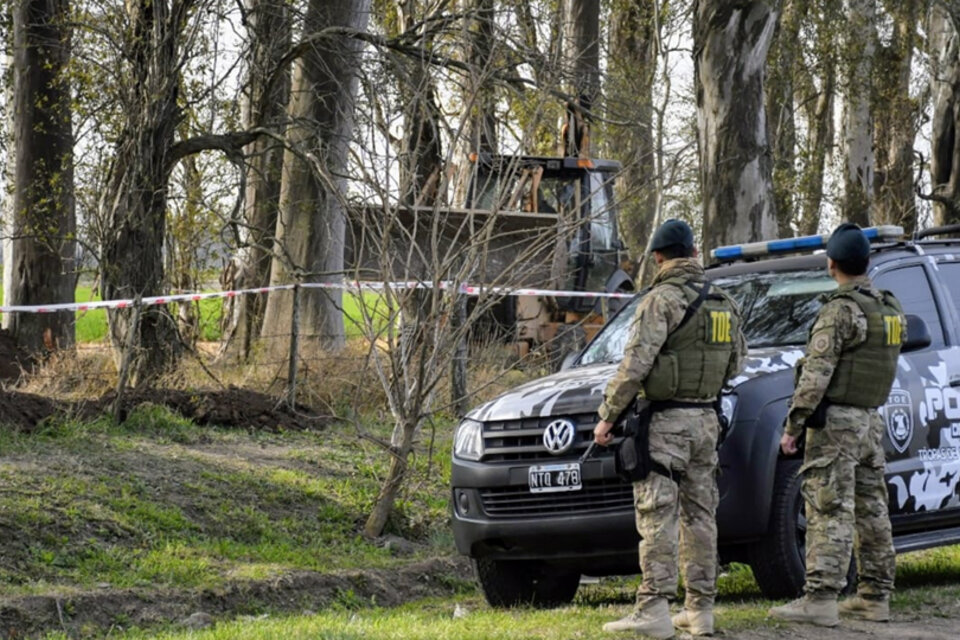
(534, 518)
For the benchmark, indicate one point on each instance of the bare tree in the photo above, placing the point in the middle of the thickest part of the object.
(731, 42)
(41, 257)
(311, 225)
(269, 27)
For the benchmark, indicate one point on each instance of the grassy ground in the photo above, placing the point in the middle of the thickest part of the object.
(160, 502)
(930, 588)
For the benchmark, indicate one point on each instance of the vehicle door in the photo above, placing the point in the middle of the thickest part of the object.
(922, 414)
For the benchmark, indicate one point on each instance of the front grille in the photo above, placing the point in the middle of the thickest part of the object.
(522, 440)
(598, 496)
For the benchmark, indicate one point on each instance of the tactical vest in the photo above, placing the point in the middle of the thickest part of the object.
(692, 364)
(865, 373)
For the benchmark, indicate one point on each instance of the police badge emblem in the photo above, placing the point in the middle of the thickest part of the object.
(898, 414)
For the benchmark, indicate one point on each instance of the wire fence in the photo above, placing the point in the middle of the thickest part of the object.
(287, 362)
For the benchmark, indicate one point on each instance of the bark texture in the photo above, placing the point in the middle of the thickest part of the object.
(311, 225)
(780, 86)
(897, 119)
(269, 28)
(134, 203)
(581, 48)
(41, 256)
(944, 52)
(731, 42)
(631, 71)
(859, 48)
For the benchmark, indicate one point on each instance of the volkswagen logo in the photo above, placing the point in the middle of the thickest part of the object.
(558, 436)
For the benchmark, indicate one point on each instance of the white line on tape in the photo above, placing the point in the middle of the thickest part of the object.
(471, 290)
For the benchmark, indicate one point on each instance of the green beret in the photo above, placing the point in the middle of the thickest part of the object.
(672, 232)
(848, 243)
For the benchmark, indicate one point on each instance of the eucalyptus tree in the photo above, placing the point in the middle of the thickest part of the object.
(943, 49)
(731, 41)
(40, 255)
(858, 51)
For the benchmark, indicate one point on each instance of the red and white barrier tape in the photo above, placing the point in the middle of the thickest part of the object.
(470, 290)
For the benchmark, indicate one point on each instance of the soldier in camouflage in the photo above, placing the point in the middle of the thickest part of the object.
(685, 345)
(850, 364)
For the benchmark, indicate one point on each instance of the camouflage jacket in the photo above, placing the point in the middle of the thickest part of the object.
(657, 315)
(840, 326)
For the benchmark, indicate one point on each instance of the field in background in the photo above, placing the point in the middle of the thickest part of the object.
(92, 325)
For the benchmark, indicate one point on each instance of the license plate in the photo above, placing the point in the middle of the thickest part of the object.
(555, 477)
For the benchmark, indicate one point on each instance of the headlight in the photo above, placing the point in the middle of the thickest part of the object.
(728, 405)
(468, 441)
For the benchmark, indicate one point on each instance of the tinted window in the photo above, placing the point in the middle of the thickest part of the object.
(950, 276)
(778, 309)
(912, 289)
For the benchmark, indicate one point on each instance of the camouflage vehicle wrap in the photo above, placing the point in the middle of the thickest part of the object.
(532, 527)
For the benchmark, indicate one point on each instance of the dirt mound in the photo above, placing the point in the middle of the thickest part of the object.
(231, 408)
(303, 590)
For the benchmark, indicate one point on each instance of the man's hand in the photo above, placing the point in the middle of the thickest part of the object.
(788, 444)
(601, 433)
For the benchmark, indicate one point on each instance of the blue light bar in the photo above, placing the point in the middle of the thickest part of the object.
(795, 245)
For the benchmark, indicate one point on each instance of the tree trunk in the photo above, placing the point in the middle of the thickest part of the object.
(311, 225)
(41, 258)
(858, 51)
(817, 95)
(896, 120)
(268, 25)
(781, 67)
(135, 200)
(581, 50)
(632, 68)
(731, 44)
(944, 52)
(479, 129)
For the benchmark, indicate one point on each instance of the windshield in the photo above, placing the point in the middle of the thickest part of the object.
(778, 309)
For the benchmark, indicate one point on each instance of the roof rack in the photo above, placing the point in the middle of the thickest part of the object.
(798, 245)
(937, 231)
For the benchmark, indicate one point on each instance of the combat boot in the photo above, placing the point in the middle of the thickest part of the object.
(820, 611)
(696, 622)
(652, 620)
(876, 610)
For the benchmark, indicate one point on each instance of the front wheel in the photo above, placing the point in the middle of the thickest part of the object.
(779, 559)
(511, 583)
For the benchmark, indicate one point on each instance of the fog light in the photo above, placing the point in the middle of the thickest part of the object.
(463, 502)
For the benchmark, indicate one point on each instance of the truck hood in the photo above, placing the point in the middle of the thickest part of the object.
(580, 389)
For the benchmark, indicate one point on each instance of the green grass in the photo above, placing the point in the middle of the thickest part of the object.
(159, 502)
(739, 609)
(92, 324)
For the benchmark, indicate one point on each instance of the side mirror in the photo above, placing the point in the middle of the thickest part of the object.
(568, 360)
(918, 336)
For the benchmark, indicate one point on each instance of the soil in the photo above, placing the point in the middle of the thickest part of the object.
(913, 627)
(11, 357)
(230, 408)
(29, 616)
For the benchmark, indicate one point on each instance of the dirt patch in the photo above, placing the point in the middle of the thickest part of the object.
(929, 628)
(231, 408)
(90, 614)
(12, 358)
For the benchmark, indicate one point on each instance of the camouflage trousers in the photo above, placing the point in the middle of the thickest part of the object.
(846, 503)
(680, 516)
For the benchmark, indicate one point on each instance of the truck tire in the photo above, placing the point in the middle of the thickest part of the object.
(512, 583)
(778, 560)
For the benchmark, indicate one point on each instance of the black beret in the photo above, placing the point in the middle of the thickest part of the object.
(672, 232)
(848, 243)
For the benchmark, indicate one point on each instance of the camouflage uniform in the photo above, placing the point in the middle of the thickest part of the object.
(843, 483)
(685, 441)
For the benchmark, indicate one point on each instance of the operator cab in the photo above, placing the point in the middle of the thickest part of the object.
(576, 195)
